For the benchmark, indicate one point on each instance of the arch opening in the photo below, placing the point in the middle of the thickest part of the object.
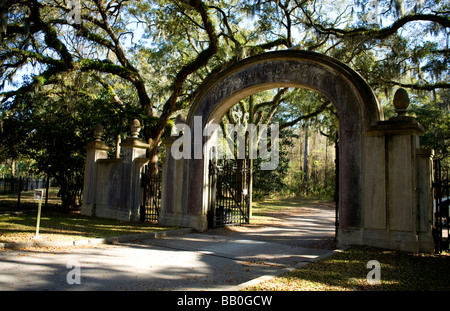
(229, 188)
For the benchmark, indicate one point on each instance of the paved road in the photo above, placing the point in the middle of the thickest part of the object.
(220, 259)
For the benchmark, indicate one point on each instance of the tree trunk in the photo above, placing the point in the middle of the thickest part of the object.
(13, 168)
(305, 158)
(153, 155)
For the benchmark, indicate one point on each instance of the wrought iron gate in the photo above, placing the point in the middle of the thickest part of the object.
(441, 194)
(229, 197)
(152, 196)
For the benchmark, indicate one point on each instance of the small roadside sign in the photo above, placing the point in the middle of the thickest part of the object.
(38, 195)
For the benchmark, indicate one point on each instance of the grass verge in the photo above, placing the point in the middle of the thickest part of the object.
(18, 223)
(344, 271)
(347, 271)
(19, 228)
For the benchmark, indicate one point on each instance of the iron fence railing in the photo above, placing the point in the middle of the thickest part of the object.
(441, 194)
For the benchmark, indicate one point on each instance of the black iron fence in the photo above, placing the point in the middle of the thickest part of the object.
(16, 184)
(18, 188)
(151, 205)
(229, 194)
(441, 191)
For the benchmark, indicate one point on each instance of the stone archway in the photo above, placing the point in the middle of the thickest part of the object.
(363, 177)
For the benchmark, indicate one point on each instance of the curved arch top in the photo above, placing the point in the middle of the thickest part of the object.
(348, 91)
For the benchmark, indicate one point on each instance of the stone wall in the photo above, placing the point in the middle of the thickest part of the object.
(112, 187)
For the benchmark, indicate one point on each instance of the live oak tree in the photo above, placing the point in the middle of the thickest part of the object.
(38, 33)
(403, 43)
(181, 38)
(377, 38)
(150, 56)
(390, 43)
(53, 127)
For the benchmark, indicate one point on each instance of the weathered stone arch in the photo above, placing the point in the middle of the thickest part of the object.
(355, 102)
(362, 176)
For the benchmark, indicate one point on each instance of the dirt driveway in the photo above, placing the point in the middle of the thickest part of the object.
(309, 224)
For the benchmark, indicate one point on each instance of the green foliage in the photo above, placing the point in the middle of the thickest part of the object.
(53, 128)
(434, 115)
(270, 182)
(145, 59)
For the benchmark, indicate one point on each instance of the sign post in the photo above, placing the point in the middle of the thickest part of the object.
(38, 195)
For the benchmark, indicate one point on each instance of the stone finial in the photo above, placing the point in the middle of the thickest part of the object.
(135, 128)
(180, 119)
(401, 102)
(98, 133)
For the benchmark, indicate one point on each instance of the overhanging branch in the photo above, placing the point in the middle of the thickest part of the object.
(307, 116)
(416, 86)
(200, 61)
(384, 32)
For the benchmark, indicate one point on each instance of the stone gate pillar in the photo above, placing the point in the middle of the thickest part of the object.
(112, 187)
(174, 210)
(134, 158)
(172, 175)
(398, 225)
(95, 150)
